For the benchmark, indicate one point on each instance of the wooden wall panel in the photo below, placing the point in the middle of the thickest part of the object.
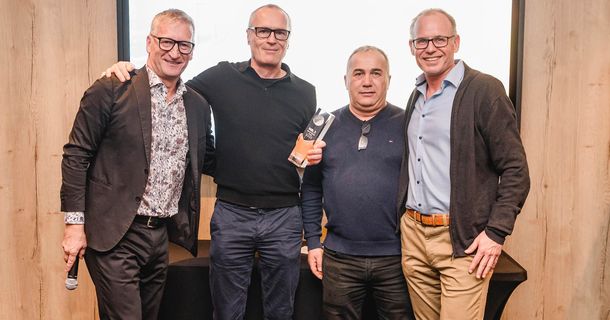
(60, 60)
(562, 235)
(52, 51)
(73, 39)
(19, 247)
(208, 198)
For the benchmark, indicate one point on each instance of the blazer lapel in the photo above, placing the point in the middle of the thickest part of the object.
(142, 89)
(193, 133)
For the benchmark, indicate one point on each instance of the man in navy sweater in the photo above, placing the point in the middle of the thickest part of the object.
(357, 184)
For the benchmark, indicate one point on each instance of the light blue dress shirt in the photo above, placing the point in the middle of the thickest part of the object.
(429, 145)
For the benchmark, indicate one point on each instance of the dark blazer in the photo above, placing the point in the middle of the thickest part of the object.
(106, 161)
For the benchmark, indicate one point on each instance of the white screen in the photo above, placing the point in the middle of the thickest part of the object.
(324, 33)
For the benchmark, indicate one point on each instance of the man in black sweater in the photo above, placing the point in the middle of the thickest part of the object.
(357, 184)
(259, 109)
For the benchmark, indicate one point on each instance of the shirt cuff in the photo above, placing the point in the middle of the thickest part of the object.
(74, 217)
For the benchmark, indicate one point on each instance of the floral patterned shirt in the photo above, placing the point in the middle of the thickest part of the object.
(168, 148)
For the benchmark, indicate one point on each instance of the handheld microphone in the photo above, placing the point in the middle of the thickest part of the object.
(71, 279)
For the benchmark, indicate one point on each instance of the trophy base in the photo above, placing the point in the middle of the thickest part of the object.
(298, 156)
(297, 160)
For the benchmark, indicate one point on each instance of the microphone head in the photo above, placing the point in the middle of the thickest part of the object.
(71, 283)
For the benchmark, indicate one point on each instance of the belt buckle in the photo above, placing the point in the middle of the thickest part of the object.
(148, 221)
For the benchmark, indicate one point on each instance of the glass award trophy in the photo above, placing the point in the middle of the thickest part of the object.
(316, 129)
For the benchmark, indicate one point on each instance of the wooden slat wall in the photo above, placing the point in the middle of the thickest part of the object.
(561, 237)
(52, 51)
(20, 274)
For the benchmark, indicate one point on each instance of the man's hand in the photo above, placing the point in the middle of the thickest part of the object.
(74, 243)
(487, 255)
(314, 155)
(120, 69)
(314, 258)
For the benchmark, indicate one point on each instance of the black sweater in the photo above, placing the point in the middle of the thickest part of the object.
(358, 188)
(257, 122)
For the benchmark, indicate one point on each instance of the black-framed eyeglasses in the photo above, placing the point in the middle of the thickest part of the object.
(438, 41)
(363, 142)
(264, 33)
(167, 44)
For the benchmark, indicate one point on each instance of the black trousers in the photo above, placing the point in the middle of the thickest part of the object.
(129, 279)
(349, 279)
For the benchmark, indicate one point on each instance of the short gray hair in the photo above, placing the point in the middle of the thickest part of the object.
(172, 15)
(428, 12)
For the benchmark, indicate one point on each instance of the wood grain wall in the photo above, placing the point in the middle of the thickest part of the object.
(50, 52)
(53, 50)
(561, 237)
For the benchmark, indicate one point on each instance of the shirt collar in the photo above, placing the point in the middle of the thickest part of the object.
(154, 81)
(245, 66)
(454, 76)
(380, 115)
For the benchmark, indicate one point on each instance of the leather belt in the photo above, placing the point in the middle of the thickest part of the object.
(150, 221)
(430, 220)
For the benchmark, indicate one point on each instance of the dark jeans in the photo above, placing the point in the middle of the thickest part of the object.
(129, 279)
(349, 279)
(237, 234)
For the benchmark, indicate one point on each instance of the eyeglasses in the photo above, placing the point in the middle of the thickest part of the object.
(364, 140)
(264, 33)
(438, 41)
(167, 44)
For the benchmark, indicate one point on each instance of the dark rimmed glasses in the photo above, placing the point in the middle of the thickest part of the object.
(264, 33)
(363, 142)
(438, 41)
(167, 44)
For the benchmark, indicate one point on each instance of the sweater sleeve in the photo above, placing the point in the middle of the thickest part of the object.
(202, 83)
(312, 205)
(508, 157)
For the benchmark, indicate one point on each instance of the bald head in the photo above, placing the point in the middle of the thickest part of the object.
(254, 14)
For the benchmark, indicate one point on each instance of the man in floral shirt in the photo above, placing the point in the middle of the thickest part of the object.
(131, 174)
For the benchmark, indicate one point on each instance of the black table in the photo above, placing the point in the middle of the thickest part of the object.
(187, 291)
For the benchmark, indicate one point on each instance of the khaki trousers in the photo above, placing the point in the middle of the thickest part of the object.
(439, 285)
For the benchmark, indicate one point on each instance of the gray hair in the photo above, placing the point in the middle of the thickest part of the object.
(270, 6)
(368, 48)
(172, 15)
(428, 12)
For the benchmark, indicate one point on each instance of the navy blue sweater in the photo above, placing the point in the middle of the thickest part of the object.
(357, 189)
